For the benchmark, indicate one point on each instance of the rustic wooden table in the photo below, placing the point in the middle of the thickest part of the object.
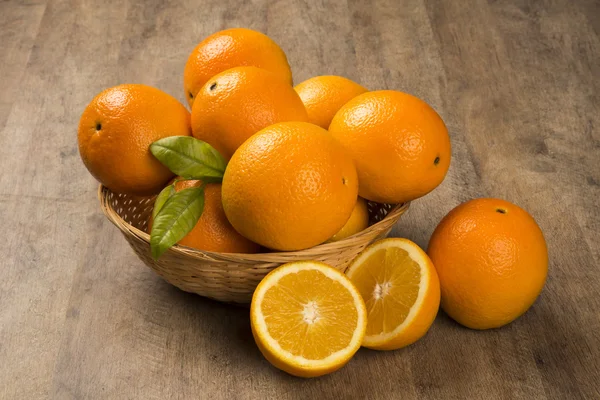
(518, 84)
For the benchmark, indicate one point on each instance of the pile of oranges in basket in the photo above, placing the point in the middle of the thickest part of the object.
(261, 165)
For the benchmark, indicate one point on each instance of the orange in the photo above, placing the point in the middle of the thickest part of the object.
(359, 220)
(323, 96)
(307, 318)
(492, 261)
(232, 48)
(401, 291)
(239, 102)
(289, 187)
(116, 130)
(399, 143)
(213, 232)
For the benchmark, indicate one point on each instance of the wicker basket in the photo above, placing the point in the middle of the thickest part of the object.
(231, 277)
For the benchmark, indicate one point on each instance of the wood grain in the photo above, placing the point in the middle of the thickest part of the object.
(517, 83)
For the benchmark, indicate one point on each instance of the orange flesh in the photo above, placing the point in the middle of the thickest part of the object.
(389, 283)
(308, 306)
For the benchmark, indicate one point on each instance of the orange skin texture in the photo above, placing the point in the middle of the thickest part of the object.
(213, 232)
(323, 96)
(290, 186)
(239, 102)
(131, 117)
(232, 48)
(492, 265)
(394, 139)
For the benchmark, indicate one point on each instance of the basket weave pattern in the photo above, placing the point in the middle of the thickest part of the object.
(231, 277)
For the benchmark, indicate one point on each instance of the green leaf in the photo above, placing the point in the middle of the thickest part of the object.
(190, 158)
(161, 199)
(176, 218)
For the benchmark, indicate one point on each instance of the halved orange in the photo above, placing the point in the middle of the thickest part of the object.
(307, 318)
(401, 290)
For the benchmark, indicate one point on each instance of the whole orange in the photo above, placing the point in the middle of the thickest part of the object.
(237, 103)
(289, 187)
(213, 232)
(232, 48)
(116, 130)
(323, 96)
(358, 221)
(399, 143)
(492, 261)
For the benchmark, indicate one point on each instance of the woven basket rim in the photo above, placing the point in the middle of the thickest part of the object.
(244, 258)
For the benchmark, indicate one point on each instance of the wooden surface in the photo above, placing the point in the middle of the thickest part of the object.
(518, 84)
